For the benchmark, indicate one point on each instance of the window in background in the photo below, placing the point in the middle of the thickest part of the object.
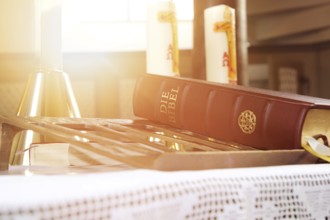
(112, 25)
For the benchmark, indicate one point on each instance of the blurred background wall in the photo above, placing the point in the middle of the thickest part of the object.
(291, 33)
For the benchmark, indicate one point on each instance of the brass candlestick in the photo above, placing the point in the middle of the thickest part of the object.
(48, 92)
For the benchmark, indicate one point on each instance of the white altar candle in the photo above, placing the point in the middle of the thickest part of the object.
(162, 40)
(220, 44)
(51, 35)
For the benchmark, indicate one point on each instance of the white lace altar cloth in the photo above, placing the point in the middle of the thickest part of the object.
(278, 192)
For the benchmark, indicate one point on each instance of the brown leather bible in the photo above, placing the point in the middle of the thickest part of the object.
(259, 118)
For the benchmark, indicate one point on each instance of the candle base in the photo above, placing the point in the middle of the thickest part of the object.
(47, 94)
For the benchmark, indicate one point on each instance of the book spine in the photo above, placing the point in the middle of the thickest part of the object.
(221, 112)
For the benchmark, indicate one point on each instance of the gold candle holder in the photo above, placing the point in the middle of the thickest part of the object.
(48, 92)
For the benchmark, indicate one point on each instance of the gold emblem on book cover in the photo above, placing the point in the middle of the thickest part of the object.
(247, 121)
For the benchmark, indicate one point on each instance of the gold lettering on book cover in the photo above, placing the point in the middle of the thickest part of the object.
(247, 121)
(168, 102)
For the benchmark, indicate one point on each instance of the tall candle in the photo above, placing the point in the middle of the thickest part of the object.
(220, 44)
(51, 35)
(162, 39)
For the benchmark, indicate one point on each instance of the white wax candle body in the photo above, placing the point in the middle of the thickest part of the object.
(160, 45)
(217, 48)
(51, 35)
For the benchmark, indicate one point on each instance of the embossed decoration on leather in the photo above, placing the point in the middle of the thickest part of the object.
(247, 121)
